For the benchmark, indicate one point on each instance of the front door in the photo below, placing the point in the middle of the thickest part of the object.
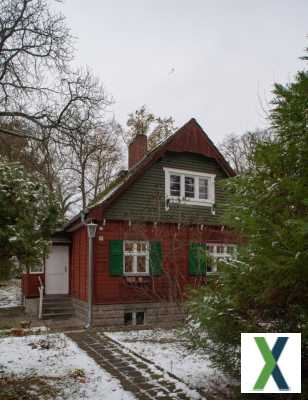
(56, 272)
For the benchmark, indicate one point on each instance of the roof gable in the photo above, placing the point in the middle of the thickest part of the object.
(192, 138)
(189, 138)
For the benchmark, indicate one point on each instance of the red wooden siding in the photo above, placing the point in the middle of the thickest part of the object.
(30, 284)
(193, 143)
(110, 289)
(79, 264)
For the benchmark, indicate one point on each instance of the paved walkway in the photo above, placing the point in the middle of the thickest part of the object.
(137, 375)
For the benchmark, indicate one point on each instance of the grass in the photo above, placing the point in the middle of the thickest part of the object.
(29, 388)
(34, 387)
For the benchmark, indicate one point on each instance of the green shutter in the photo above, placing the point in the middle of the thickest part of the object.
(197, 257)
(116, 257)
(156, 258)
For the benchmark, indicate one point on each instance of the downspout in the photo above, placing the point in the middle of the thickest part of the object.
(90, 282)
(90, 269)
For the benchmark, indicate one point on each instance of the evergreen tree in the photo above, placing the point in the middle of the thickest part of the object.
(28, 215)
(265, 288)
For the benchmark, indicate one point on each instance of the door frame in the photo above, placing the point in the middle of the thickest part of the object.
(54, 246)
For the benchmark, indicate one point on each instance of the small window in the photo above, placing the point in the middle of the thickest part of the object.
(219, 252)
(134, 318)
(220, 249)
(210, 249)
(175, 185)
(37, 269)
(128, 265)
(129, 246)
(189, 187)
(141, 264)
(140, 318)
(203, 188)
(230, 249)
(128, 318)
(136, 257)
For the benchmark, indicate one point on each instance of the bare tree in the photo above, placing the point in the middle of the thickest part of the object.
(163, 129)
(238, 150)
(37, 83)
(107, 158)
(144, 122)
(76, 171)
(93, 156)
(138, 123)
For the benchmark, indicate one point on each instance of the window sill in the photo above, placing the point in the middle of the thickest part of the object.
(137, 280)
(205, 203)
(198, 203)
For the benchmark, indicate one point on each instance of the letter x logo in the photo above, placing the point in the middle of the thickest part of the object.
(271, 363)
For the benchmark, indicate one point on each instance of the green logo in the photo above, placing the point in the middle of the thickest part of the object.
(271, 367)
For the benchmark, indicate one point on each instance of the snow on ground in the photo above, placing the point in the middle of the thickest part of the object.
(167, 350)
(10, 296)
(55, 355)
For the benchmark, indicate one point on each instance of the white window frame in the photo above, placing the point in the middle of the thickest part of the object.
(135, 255)
(37, 272)
(196, 175)
(216, 256)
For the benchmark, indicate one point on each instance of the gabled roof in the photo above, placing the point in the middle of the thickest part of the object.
(189, 138)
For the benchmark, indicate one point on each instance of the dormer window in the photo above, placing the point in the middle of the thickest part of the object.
(189, 187)
(203, 188)
(175, 185)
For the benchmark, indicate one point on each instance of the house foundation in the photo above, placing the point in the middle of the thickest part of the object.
(160, 314)
(31, 306)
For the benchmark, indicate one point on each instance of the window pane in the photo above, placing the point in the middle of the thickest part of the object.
(128, 318)
(141, 247)
(128, 267)
(230, 249)
(189, 187)
(203, 188)
(139, 317)
(210, 248)
(175, 185)
(141, 264)
(220, 249)
(129, 246)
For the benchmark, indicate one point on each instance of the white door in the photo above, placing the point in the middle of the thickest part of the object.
(56, 272)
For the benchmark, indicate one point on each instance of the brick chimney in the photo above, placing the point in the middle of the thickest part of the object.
(137, 149)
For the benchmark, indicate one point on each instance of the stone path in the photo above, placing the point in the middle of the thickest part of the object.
(137, 375)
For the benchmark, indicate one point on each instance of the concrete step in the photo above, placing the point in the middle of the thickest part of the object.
(58, 315)
(57, 300)
(57, 297)
(57, 306)
(55, 309)
(57, 303)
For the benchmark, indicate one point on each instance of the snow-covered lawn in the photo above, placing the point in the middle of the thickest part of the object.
(167, 350)
(58, 361)
(10, 296)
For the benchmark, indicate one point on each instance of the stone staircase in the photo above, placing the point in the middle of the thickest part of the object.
(57, 306)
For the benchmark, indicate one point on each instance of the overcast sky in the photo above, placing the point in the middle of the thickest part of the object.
(212, 60)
